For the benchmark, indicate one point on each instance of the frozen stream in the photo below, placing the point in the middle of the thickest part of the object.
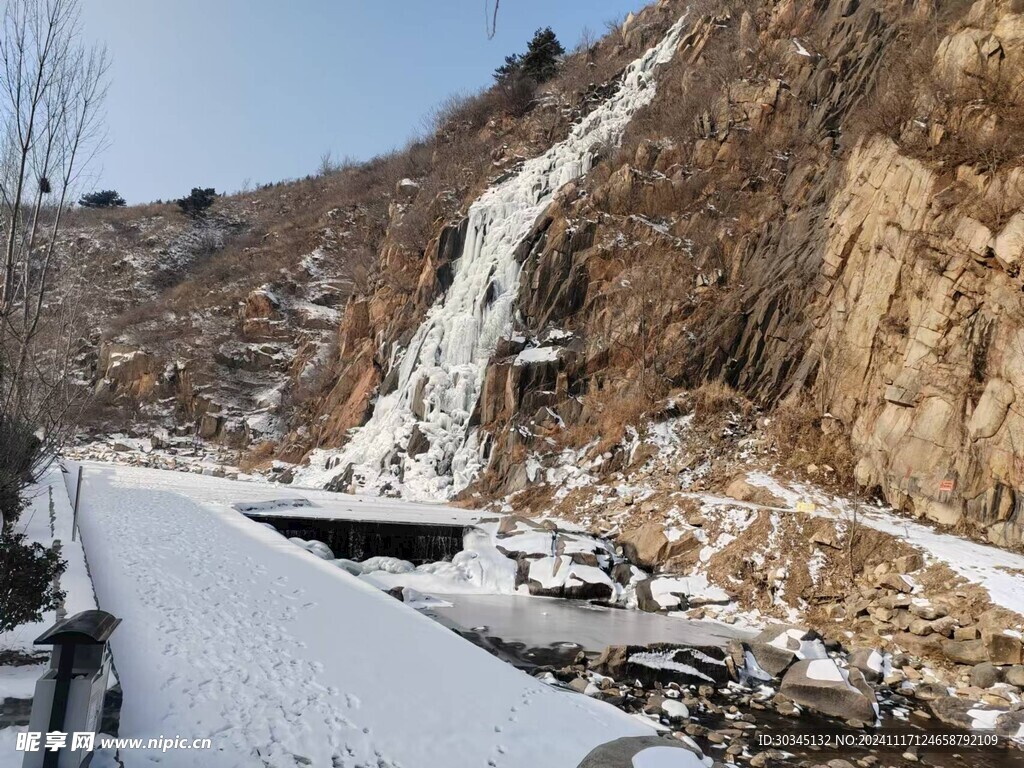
(540, 622)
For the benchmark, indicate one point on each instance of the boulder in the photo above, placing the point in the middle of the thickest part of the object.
(625, 574)
(964, 651)
(927, 611)
(644, 750)
(670, 593)
(509, 525)
(1003, 650)
(985, 675)
(894, 582)
(663, 663)
(780, 645)
(1014, 675)
(612, 661)
(909, 563)
(825, 687)
(870, 662)
(1010, 724)
(648, 546)
(675, 710)
(954, 711)
(742, 489)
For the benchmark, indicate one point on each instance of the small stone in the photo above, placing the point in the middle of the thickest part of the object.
(909, 563)
(966, 633)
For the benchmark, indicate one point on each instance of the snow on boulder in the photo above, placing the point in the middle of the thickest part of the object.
(418, 600)
(675, 710)
(387, 564)
(780, 645)
(667, 593)
(356, 569)
(871, 663)
(649, 546)
(646, 752)
(561, 577)
(825, 687)
(314, 547)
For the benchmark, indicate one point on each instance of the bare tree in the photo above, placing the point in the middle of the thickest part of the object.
(51, 92)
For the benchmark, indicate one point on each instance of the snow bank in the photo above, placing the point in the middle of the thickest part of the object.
(232, 632)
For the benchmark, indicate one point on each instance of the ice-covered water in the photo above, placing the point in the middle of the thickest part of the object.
(442, 369)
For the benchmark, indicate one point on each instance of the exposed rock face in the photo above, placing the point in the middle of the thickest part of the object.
(768, 234)
(918, 344)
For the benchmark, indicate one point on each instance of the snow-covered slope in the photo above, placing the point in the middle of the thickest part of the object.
(232, 632)
(442, 368)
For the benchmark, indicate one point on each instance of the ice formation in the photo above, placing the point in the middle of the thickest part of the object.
(442, 369)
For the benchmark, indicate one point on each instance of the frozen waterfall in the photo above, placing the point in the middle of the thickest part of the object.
(442, 369)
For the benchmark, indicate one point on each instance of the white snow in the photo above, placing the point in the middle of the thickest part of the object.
(825, 670)
(984, 719)
(20, 682)
(674, 708)
(442, 370)
(666, 591)
(34, 522)
(536, 355)
(666, 757)
(232, 632)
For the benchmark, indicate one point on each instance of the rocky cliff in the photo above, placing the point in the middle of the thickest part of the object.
(820, 208)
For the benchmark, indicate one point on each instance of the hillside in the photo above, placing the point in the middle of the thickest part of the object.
(809, 237)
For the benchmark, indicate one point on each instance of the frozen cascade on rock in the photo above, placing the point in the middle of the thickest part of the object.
(442, 370)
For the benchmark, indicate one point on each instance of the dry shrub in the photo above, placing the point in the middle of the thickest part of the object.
(606, 415)
(258, 457)
(714, 401)
(800, 438)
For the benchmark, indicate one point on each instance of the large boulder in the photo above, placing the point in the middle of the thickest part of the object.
(965, 651)
(1010, 724)
(825, 687)
(650, 546)
(644, 751)
(779, 646)
(963, 713)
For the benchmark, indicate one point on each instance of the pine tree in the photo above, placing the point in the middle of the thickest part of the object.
(196, 203)
(539, 63)
(541, 59)
(108, 198)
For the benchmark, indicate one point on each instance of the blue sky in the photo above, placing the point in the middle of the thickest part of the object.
(220, 92)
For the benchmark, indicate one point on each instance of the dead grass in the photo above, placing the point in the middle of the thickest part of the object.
(802, 440)
(258, 458)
